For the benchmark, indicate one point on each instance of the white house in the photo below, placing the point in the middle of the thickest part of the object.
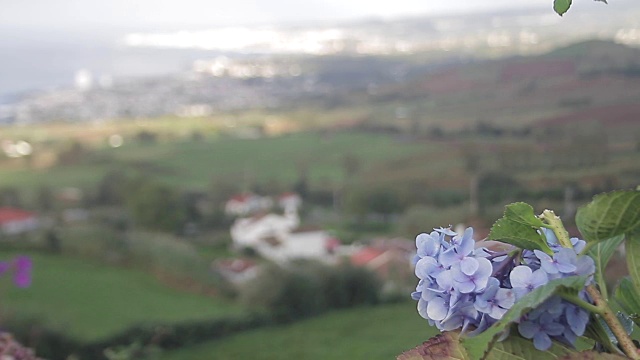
(244, 204)
(16, 221)
(290, 200)
(300, 244)
(251, 231)
(277, 238)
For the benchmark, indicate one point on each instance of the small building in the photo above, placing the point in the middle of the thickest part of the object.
(280, 239)
(247, 203)
(237, 271)
(290, 200)
(16, 221)
(390, 259)
(251, 231)
(310, 244)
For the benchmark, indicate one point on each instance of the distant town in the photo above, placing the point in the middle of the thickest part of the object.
(274, 67)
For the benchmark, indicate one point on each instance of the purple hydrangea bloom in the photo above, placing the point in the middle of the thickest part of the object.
(461, 287)
(453, 276)
(495, 301)
(541, 330)
(474, 279)
(524, 280)
(577, 318)
(429, 244)
(563, 261)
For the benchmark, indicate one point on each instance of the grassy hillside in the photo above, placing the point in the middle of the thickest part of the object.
(90, 301)
(193, 164)
(364, 333)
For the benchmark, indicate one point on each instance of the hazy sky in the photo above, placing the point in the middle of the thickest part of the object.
(148, 13)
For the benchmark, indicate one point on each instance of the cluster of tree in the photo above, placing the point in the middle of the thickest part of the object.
(149, 203)
(306, 289)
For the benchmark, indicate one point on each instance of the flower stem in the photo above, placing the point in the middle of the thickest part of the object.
(555, 224)
(583, 304)
(612, 321)
(588, 247)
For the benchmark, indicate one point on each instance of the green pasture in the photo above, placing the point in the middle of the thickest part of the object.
(193, 164)
(363, 333)
(89, 301)
(281, 159)
(380, 159)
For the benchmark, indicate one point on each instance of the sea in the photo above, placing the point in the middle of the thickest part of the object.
(35, 61)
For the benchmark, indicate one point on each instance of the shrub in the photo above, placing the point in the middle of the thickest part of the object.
(306, 288)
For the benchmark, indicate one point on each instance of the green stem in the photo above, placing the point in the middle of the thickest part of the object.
(554, 223)
(614, 324)
(583, 304)
(588, 247)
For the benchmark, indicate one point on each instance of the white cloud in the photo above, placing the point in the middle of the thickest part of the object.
(147, 13)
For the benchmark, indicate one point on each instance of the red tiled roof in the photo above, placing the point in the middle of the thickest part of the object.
(365, 256)
(332, 243)
(288, 195)
(8, 215)
(241, 197)
(236, 265)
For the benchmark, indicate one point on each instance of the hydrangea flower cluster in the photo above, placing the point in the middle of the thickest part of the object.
(556, 318)
(462, 286)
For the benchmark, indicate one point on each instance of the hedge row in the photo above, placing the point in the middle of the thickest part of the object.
(54, 345)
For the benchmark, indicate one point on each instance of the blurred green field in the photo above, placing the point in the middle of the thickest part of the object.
(193, 164)
(91, 301)
(369, 333)
(380, 159)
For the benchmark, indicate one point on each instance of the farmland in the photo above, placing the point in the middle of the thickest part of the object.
(89, 301)
(364, 333)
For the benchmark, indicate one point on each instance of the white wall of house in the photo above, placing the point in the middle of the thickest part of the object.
(287, 245)
(247, 232)
(292, 246)
(312, 244)
(19, 226)
(247, 205)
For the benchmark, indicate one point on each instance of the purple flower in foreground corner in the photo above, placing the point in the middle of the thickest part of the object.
(4, 267)
(21, 269)
(22, 274)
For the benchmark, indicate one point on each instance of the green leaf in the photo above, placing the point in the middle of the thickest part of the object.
(519, 226)
(517, 348)
(447, 346)
(522, 213)
(592, 355)
(441, 347)
(629, 299)
(561, 6)
(596, 331)
(601, 254)
(632, 248)
(609, 215)
(478, 346)
(625, 321)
